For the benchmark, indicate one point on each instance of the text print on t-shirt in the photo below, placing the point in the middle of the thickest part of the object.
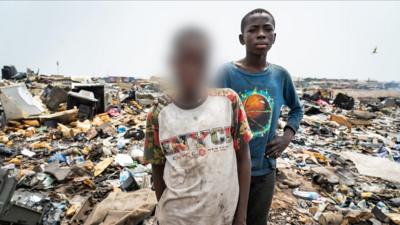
(197, 144)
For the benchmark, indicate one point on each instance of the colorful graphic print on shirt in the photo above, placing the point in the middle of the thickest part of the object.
(195, 144)
(258, 105)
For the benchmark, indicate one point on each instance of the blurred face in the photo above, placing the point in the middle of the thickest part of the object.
(258, 33)
(190, 63)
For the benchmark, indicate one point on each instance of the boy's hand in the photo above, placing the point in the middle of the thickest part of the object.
(239, 223)
(279, 144)
(158, 180)
(163, 100)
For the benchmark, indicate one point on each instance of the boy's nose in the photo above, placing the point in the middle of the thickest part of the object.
(261, 35)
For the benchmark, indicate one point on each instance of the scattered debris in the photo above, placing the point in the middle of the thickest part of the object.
(374, 166)
(124, 208)
(84, 101)
(68, 145)
(77, 158)
(18, 103)
(344, 158)
(54, 96)
(343, 101)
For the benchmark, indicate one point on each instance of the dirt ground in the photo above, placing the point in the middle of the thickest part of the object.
(286, 208)
(357, 93)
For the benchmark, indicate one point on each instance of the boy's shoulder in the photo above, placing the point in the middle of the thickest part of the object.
(279, 68)
(154, 112)
(281, 72)
(229, 68)
(225, 92)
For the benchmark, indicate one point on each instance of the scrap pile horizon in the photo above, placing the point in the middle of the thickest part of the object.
(69, 147)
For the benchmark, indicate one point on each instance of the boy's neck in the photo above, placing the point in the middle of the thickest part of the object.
(190, 99)
(254, 63)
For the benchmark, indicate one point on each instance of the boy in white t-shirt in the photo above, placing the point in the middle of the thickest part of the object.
(198, 145)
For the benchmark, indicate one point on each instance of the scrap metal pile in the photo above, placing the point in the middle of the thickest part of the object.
(72, 153)
(70, 148)
(344, 165)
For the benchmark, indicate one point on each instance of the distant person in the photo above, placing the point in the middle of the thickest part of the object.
(198, 145)
(263, 88)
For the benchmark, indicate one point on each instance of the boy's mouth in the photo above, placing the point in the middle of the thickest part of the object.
(261, 46)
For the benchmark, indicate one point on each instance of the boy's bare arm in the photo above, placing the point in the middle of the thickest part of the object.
(159, 184)
(244, 173)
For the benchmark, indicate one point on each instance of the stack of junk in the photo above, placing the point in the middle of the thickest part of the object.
(71, 152)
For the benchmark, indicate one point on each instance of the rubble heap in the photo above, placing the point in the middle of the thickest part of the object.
(72, 153)
(69, 148)
(344, 165)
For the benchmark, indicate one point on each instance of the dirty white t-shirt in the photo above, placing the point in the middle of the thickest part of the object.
(197, 147)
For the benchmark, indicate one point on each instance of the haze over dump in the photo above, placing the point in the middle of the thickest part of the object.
(314, 39)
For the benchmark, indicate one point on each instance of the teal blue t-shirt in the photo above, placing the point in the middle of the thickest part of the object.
(263, 94)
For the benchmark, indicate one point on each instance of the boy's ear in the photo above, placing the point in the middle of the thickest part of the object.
(241, 39)
(274, 38)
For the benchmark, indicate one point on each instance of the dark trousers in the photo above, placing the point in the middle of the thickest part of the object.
(260, 198)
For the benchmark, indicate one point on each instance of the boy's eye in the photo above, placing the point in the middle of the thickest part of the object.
(268, 29)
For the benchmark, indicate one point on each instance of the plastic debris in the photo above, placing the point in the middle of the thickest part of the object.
(127, 181)
(307, 195)
(27, 153)
(124, 160)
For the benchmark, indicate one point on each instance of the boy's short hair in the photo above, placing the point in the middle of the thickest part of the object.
(188, 33)
(254, 11)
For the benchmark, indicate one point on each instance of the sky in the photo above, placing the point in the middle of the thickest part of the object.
(131, 38)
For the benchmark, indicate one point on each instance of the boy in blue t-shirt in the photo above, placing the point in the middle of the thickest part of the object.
(263, 88)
